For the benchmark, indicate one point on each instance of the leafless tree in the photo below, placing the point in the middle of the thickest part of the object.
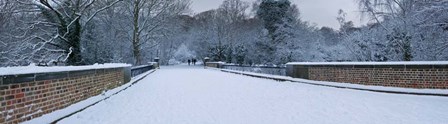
(51, 30)
(149, 19)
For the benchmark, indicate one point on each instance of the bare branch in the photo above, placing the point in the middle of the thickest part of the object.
(100, 10)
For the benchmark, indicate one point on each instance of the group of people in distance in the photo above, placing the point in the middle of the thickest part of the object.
(192, 61)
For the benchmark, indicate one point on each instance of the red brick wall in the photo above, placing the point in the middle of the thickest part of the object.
(27, 100)
(429, 78)
(214, 64)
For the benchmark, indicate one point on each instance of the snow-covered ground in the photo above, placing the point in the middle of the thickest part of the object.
(193, 95)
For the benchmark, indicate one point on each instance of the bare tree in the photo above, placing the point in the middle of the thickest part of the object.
(402, 12)
(149, 20)
(412, 27)
(51, 30)
(11, 32)
(230, 14)
(432, 23)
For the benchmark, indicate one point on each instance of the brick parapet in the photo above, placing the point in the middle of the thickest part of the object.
(22, 101)
(215, 64)
(404, 76)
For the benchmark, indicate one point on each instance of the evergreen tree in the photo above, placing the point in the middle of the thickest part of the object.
(275, 14)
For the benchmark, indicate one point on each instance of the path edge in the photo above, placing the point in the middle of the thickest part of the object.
(88, 106)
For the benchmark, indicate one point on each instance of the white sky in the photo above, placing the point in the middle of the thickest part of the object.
(320, 12)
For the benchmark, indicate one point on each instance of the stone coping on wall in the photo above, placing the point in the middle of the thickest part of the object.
(17, 75)
(24, 70)
(149, 64)
(141, 66)
(255, 66)
(215, 63)
(403, 65)
(412, 63)
(153, 63)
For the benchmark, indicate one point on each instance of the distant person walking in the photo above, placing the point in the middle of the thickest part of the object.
(194, 61)
(189, 61)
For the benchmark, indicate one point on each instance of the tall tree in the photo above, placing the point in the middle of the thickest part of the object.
(149, 22)
(52, 30)
(274, 13)
(280, 19)
(229, 15)
(402, 11)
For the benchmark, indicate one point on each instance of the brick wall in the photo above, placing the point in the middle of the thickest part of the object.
(215, 64)
(405, 76)
(24, 97)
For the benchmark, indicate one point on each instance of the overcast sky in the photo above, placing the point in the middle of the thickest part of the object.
(320, 12)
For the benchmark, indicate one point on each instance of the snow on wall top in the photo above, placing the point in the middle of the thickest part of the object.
(216, 62)
(152, 63)
(372, 63)
(141, 66)
(32, 69)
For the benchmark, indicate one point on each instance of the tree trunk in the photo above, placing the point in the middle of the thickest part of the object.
(74, 37)
(136, 35)
(407, 51)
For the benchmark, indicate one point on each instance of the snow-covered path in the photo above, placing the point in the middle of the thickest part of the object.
(187, 95)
